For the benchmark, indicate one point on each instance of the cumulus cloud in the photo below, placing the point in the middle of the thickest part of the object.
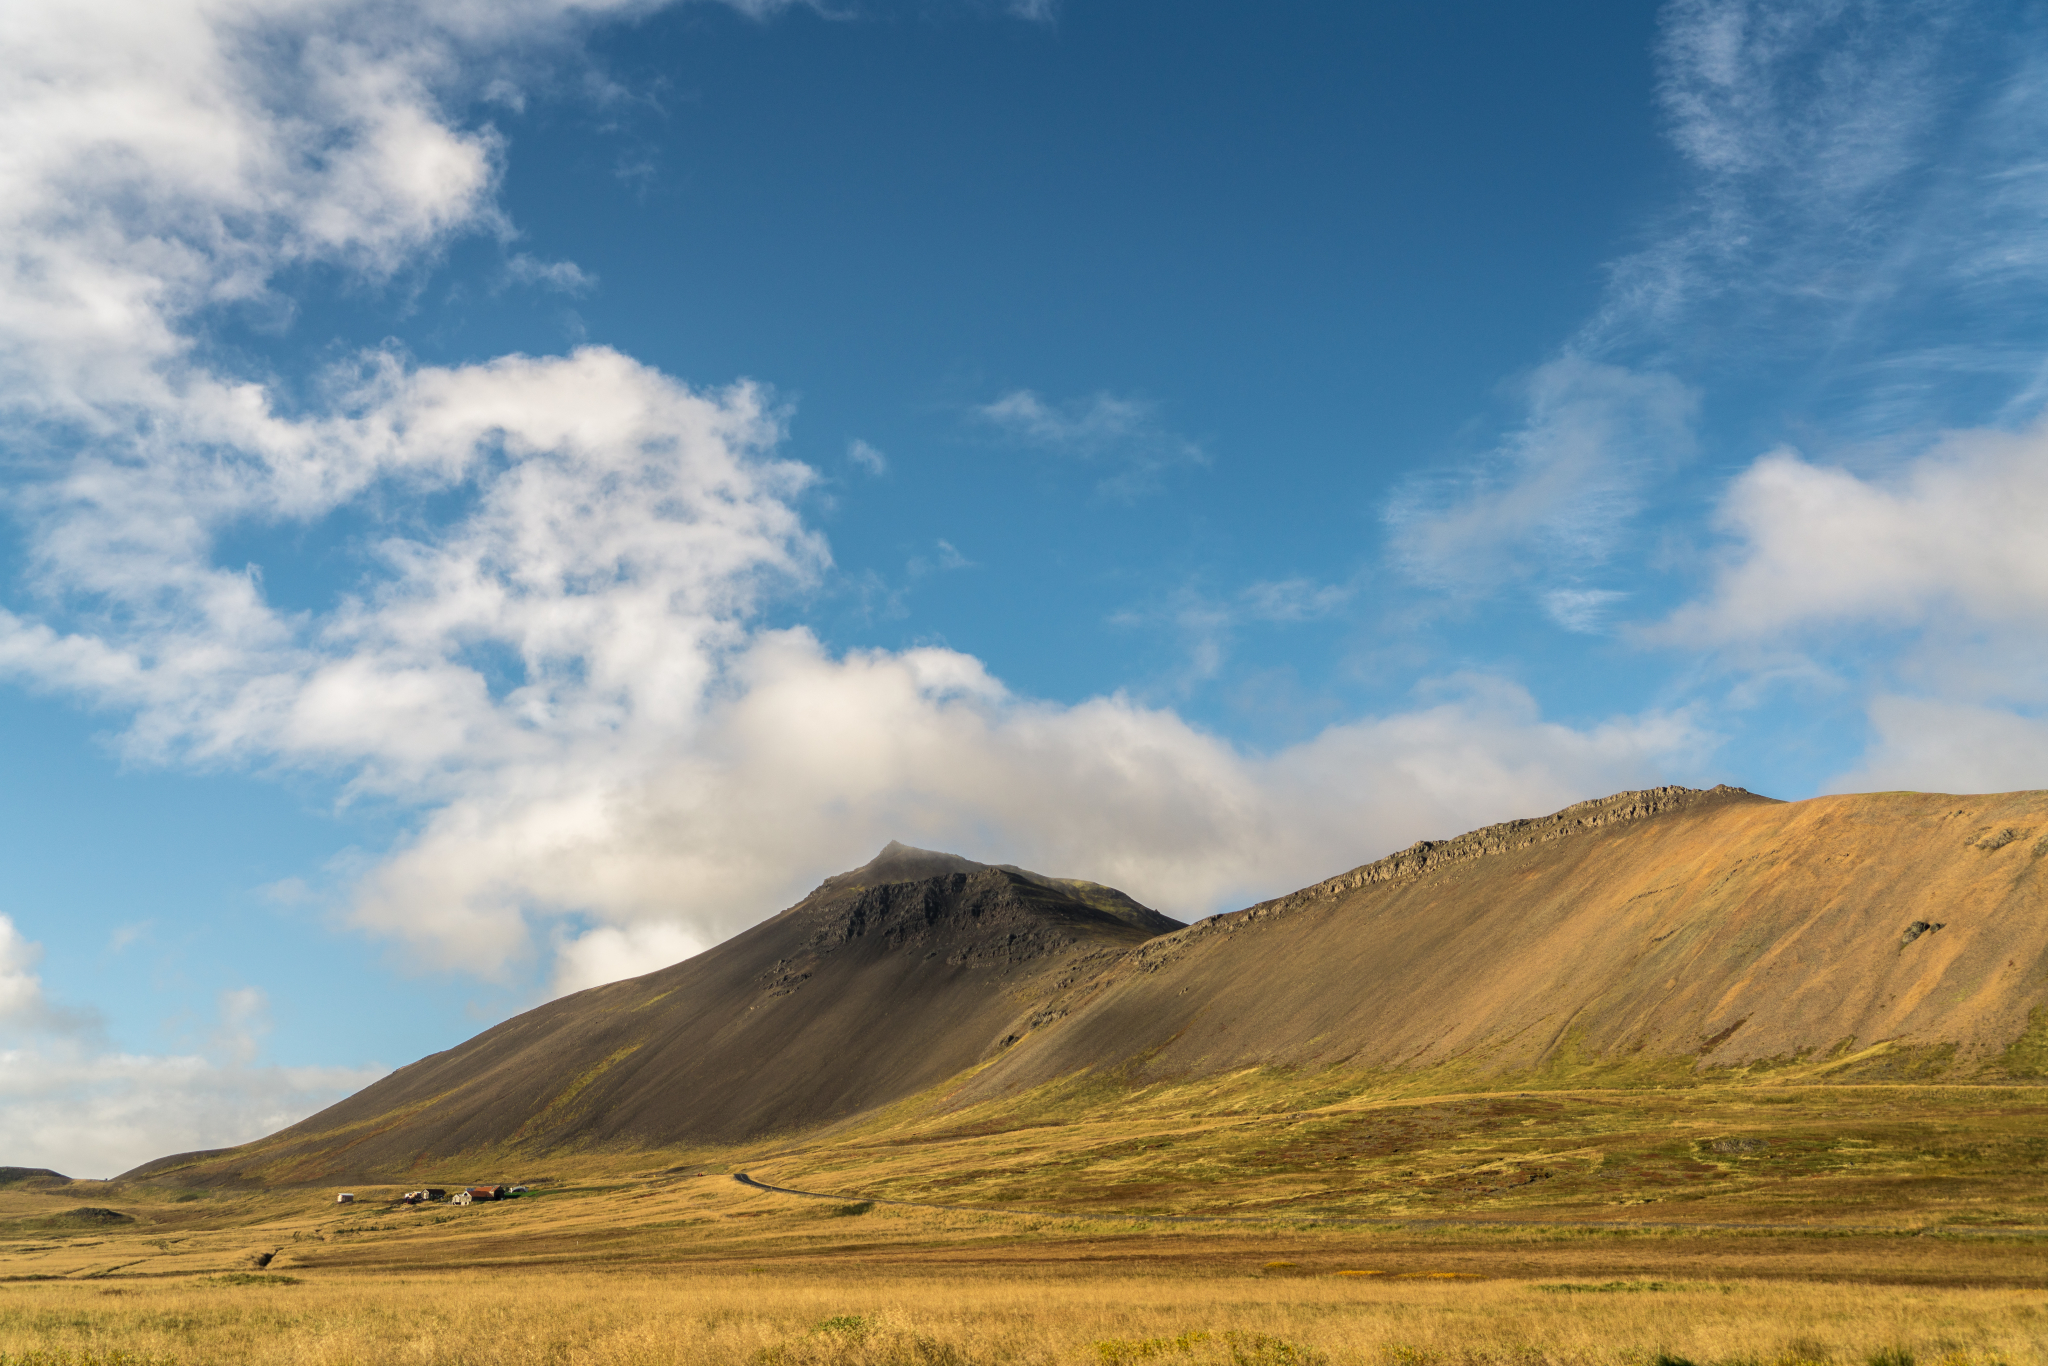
(244, 1021)
(1954, 534)
(1936, 567)
(608, 953)
(814, 761)
(25, 1008)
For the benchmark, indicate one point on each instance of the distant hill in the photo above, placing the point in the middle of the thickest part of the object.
(1887, 936)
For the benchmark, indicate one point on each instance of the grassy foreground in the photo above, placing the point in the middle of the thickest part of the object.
(1778, 1222)
(780, 1319)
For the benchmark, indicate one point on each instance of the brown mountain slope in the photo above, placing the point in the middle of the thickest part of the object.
(1718, 925)
(882, 982)
(1888, 935)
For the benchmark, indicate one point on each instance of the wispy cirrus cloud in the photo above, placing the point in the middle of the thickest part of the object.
(1209, 623)
(1865, 207)
(865, 457)
(564, 277)
(1859, 245)
(1553, 502)
(1868, 222)
(1122, 433)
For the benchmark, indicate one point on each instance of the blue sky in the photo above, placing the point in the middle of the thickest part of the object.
(501, 498)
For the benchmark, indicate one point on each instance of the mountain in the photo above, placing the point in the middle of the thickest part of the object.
(884, 981)
(1884, 936)
(1892, 935)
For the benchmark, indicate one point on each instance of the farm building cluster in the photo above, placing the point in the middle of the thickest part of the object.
(468, 1195)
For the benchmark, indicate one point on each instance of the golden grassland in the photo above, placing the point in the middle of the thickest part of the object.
(1765, 1220)
(771, 1318)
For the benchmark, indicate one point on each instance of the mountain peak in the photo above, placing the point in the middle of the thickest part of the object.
(899, 862)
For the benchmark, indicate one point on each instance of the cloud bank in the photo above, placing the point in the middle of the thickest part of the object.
(70, 1104)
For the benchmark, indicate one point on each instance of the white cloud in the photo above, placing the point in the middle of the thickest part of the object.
(1103, 427)
(95, 1115)
(21, 990)
(1556, 497)
(68, 1103)
(1581, 609)
(944, 559)
(24, 1006)
(565, 277)
(1863, 216)
(1931, 578)
(1865, 208)
(1940, 745)
(611, 952)
(1289, 600)
(126, 935)
(1209, 622)
(1955, 535)
(244, 1021)
(1836, 95)
(1808, 124)
(867, 457)
(812, 762)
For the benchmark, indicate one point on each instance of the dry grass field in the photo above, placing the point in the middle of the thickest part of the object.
(776, 1317)
(1767, 1223)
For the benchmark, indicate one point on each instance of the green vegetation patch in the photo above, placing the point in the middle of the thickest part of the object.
(88, 1216)
(852, 1325)
(91, 1356)
(850, 1211)
(1231, 1346)
(1624, 1288)
(250, 1278)
(83, 1219)
(2027, 1056)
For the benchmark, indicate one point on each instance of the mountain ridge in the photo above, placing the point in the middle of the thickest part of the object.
(1679, 928)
